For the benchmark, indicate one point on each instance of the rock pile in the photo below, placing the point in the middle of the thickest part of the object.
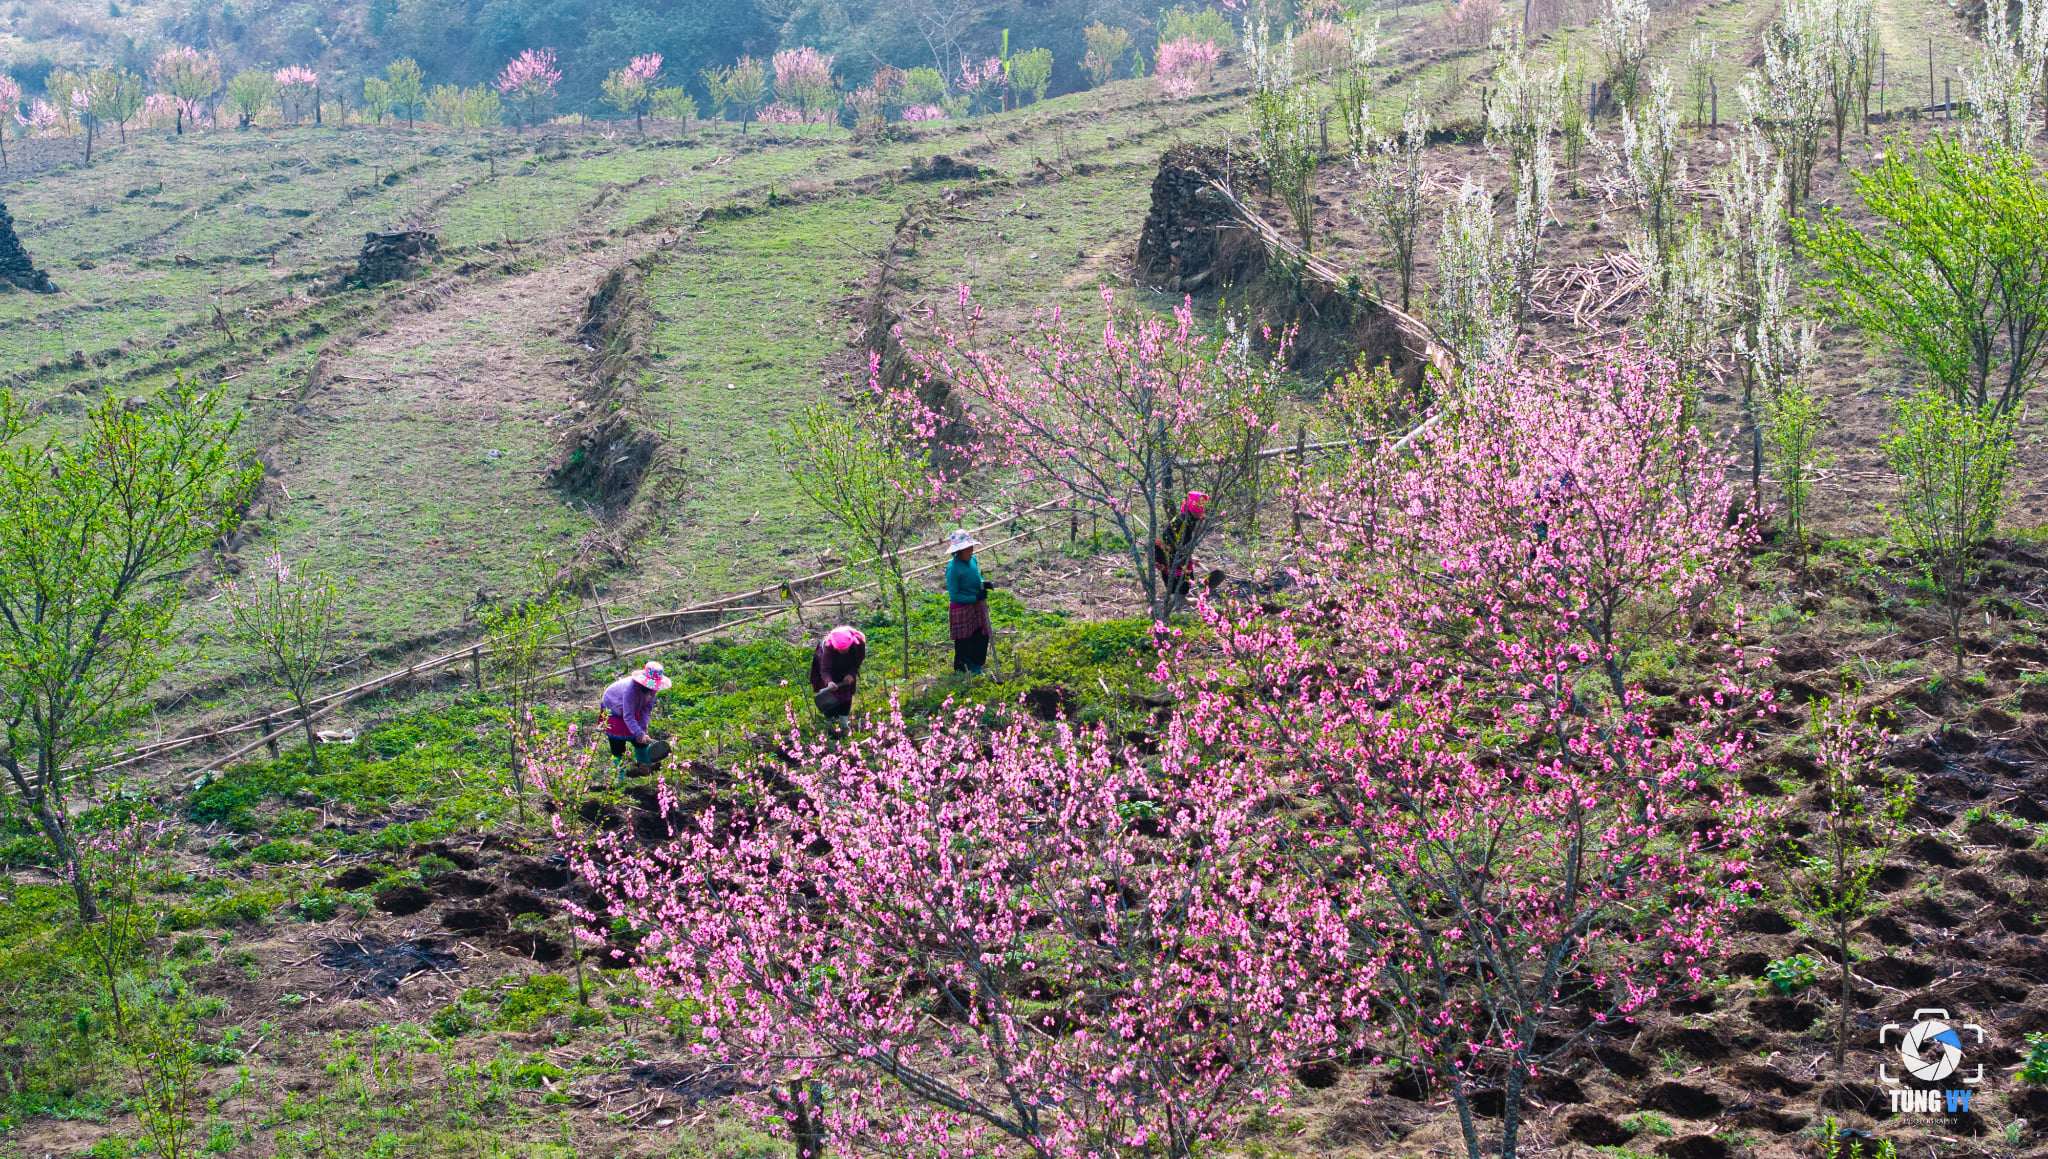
(388, 256)
(1192, 239)
(15, 267)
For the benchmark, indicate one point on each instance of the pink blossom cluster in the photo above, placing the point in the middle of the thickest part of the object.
(1324, 46)
(781, 113)
(924, 113)
(982, 82)
(1185, 65)
(10, 95)
(1424, 810)
(530, 75)
(42, 118)
(1041, 934)
(644, 70)
(293, 76)
(804, 80)
(1529, 842)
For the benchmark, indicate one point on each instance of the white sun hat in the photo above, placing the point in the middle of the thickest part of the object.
(961, 541)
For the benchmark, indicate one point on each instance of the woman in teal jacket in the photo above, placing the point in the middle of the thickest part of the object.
(968, 616)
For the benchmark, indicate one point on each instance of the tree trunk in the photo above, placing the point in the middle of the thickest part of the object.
(1511, 1110)
(1842, 1005)
(1466, 1127)
(903, 614)
(59, 833)
(312, 739)
(88, 144)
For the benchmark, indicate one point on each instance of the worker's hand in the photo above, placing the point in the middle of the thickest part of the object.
(642, 739)
(829, 686)
(986, 588)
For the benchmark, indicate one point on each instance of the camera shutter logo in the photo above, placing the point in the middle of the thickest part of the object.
(1931, 1050)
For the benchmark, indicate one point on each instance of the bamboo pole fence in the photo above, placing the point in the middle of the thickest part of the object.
(756, 605)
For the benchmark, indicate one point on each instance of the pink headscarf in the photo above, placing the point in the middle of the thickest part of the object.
(843, 637)
(1196, 504)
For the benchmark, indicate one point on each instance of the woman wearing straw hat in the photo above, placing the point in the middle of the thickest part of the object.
(628, 705)
(968, 617)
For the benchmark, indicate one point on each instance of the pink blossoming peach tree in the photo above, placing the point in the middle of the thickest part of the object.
(1527, 844)
(1422, 808)
(929, 938)
(529, 81)
(1122, 416)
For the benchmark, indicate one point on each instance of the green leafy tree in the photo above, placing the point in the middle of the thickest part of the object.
(675, 104)
(739, 89)
(519, 640)
(869, 476)
(1956, 269)
(158, 1051)
(922, 86)
(101, 529)
(292, 621)
(1793, 419)
(1860, 819)
(1031, 72)
(113, 97)
(250, 92)
(1954, 461)
(376, 99)
(406, 85)
(1106, 46)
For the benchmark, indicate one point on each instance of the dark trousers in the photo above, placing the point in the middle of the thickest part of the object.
(971, 654)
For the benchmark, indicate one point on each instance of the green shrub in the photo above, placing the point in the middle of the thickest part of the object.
(1793, 974)
(281, 852)
(2035, 1068)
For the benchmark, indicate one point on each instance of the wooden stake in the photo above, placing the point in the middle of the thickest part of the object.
(604, 622)
(269, 741)
(476, 666)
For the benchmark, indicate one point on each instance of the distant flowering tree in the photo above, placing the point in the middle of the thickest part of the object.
(1322, 48)
(982, 83)
(1525, 845)
(1125, 418)
(924, 113)
(529, 82)
(631, 89)
(10, 108)
(190, 77)
(298, 89)
(1184, 66)
(162, 109)
(937, 940)
(804, 81)
(739, 90)
(116, 864)
(42, 120)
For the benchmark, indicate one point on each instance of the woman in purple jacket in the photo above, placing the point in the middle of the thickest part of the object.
(628, 705)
